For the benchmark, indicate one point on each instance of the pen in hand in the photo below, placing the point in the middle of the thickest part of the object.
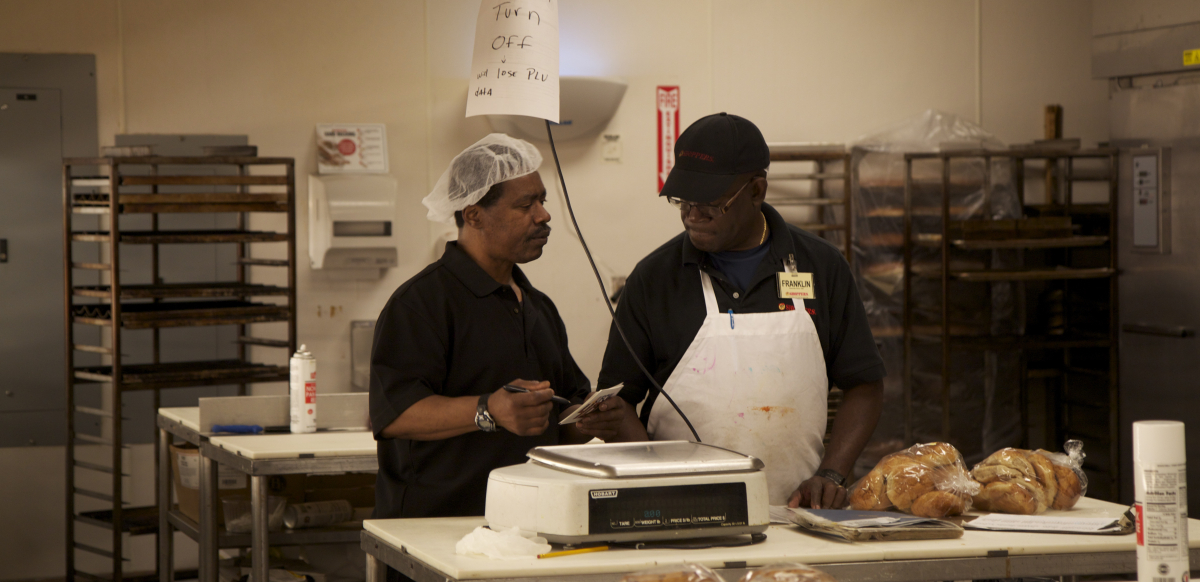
(520, 390)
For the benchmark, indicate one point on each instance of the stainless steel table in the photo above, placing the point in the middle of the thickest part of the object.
(423, 549)
(258, 456)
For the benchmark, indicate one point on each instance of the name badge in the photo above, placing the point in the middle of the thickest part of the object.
(796, 286)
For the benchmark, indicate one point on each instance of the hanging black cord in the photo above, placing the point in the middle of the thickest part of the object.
(571, 211)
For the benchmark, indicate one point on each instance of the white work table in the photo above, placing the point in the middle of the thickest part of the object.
(423, 547)
(258, 456)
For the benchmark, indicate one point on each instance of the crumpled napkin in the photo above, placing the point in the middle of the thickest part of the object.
(505, 544)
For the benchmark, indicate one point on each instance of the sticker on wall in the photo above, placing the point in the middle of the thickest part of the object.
(1191, 57)
(668, 130)
(514, 67)
(352, 148)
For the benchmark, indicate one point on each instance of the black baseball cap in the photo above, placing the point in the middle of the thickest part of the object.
(711, 153)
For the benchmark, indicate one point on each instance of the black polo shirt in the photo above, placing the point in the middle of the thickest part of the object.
(662, 308)
(452, 330)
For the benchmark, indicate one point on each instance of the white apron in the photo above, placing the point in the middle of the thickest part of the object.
(757, 387)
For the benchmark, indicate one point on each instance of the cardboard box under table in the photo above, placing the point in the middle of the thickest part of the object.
(424, 549)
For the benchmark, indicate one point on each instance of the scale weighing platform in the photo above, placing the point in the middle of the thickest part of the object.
(625, 492)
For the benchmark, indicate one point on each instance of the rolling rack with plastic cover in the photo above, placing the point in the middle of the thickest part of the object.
(1056, 258)
(878, 187)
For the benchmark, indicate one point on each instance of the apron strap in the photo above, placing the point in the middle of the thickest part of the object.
(710, 298)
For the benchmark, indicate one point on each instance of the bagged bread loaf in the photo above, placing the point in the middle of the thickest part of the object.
(1068, 467)
(674, 573)
(787, 572)
(928, 480)
(1030, 482)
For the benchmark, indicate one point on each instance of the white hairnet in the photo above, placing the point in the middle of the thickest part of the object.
(489, 161)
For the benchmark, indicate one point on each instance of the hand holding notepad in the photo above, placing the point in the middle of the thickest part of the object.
(593, 400)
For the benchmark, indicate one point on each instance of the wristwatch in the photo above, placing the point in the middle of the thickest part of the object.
(483, 419)
(832, 475)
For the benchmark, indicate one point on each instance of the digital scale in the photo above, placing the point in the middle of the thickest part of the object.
(623, 492)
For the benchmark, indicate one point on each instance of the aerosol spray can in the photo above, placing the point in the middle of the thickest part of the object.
(1160, 500)
(303, 391)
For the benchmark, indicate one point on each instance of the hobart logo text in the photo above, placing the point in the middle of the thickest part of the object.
(605, 493)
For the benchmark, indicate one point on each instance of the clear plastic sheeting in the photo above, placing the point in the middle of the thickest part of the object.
(984, 401)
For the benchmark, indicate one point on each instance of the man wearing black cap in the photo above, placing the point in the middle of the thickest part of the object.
(746, 322)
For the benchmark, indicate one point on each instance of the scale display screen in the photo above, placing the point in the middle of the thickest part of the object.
(664, 508)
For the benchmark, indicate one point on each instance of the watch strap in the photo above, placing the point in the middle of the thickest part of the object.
(837, 478)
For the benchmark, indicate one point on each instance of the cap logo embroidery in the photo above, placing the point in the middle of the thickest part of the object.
(697, 155)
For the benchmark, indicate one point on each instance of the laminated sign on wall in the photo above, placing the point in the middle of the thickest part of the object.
(352, 148)
(668, 130)
(514, 68)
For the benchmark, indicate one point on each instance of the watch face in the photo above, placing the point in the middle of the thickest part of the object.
(484, 421)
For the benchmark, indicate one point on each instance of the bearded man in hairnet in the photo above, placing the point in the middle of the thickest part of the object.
(452, 336)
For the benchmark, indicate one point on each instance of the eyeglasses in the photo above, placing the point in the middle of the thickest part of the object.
(708, 210)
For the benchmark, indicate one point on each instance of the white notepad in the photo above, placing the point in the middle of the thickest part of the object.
(593, 400)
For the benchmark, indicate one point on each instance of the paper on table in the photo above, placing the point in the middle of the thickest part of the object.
(851, 518)
(862, 526)
(591, 403)
(877, 522)
(514, 68)
(1046, 523)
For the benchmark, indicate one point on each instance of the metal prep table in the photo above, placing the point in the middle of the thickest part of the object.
(258, 456)
(423, 549)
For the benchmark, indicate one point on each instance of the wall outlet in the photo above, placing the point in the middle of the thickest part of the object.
(611, 149)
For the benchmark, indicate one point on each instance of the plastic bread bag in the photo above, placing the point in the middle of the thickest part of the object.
(674, 573)
(1030, 482)
(1068, 468)
(1015, 481)
(787, 572)
(927, 480)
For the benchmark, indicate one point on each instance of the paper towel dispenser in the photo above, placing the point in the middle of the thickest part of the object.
(350, 223)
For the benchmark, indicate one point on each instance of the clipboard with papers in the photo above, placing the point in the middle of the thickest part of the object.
(862, 526)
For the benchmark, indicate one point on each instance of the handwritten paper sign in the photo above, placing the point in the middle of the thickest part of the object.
(514, 70)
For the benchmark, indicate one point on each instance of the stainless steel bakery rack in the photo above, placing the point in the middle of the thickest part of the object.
(111, 187)
(827, 197)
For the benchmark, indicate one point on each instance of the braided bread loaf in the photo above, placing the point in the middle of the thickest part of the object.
(928, 480)
(1025, 482)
